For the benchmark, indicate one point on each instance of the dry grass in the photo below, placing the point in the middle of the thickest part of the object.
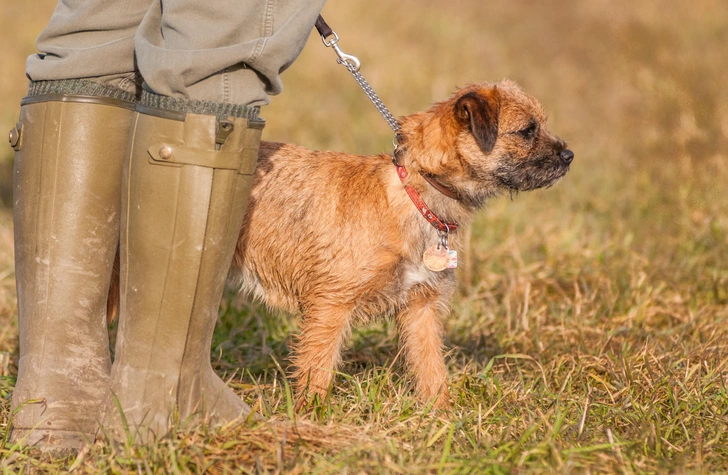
(590, 334)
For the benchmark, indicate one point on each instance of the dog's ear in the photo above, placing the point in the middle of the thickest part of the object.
(479, 113)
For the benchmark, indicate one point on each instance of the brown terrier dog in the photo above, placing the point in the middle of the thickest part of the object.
(337, 238)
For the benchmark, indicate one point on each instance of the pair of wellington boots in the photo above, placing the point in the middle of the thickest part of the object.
(169, 190)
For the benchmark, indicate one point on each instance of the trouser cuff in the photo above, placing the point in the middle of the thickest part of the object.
(221, 110)
(78, 87)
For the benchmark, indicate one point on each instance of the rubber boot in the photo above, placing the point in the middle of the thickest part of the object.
(67, 189)
(186, 184)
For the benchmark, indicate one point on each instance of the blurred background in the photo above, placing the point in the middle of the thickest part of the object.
(625, 258)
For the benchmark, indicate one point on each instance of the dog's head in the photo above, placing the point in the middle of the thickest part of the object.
(486, 139)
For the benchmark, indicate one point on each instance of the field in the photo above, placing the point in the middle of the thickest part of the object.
(590, 333)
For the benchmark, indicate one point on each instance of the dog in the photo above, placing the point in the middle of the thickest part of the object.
(343, 239)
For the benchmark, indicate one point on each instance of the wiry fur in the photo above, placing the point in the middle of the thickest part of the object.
(335, 237)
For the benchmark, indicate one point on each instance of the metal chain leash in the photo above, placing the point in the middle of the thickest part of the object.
(371, 95)
(353, 64)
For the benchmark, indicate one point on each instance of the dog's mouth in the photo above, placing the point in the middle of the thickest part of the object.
(541, 172)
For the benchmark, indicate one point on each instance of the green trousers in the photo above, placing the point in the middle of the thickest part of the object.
(222, 50)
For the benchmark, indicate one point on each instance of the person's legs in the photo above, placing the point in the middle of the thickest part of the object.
(67, 184)
(187, 176)
(206, 66)
(182, 208)
(70, 144)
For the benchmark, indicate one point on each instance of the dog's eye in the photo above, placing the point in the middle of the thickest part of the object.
(529, 132)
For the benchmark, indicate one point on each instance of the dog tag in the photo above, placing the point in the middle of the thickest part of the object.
(436, 258)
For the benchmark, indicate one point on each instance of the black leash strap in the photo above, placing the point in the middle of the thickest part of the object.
(323, 28)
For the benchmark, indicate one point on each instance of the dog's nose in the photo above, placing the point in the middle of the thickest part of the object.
(567, 156)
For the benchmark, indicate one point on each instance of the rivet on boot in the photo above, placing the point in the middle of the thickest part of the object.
(14, 136)
(165, 153)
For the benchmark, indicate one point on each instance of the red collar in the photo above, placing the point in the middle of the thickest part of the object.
(421, 205)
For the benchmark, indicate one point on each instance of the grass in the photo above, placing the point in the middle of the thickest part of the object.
(590, 332)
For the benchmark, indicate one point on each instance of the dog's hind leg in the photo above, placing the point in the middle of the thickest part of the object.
(422, 333)
(318, 350)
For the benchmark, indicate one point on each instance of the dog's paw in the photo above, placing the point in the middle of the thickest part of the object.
(443, 400)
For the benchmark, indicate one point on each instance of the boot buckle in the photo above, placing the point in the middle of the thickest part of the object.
(224, 129)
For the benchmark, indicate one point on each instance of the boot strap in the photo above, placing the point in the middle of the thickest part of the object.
(164, 153)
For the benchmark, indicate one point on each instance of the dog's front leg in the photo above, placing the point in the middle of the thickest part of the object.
(422, 334)
(318, 350)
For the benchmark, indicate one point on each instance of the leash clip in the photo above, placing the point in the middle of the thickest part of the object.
(397, 149)
(351, 62)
